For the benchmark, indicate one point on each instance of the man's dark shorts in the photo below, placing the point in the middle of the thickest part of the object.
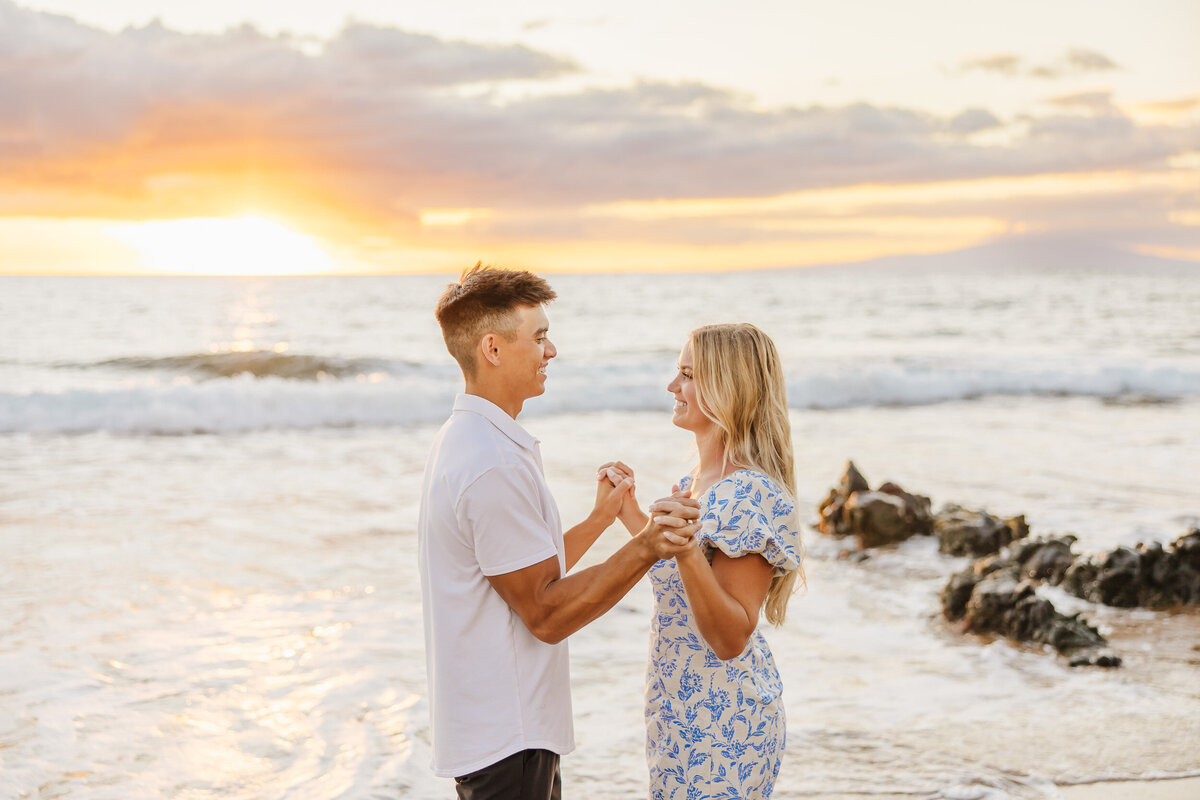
(527, 775)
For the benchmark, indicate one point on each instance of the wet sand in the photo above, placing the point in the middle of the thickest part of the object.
(1177, 789)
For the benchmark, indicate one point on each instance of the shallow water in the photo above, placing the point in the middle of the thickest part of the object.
(238, 616)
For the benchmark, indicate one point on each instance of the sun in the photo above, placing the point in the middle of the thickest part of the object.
(217, 246)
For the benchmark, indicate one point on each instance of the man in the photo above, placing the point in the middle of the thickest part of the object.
(493, 558)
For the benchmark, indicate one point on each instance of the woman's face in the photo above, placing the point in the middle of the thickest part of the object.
(687, 413)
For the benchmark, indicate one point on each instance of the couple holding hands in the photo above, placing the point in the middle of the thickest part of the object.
(499, 598)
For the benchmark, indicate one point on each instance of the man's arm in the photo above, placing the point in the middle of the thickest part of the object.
(553, 607)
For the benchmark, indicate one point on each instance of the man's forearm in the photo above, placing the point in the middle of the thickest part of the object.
(553, 606)
(574, 601)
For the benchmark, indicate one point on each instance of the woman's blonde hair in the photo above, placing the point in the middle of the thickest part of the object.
(740, 387)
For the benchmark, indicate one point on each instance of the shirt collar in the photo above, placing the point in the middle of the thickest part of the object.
(493, 414)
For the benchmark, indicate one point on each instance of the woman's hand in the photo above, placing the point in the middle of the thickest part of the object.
(611, 495)
(613, 489)
(630, 515)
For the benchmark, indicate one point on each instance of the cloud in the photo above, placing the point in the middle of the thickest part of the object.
(1095, 102)
(1180, 105)
(1081, 60)
(1102, 206)
(405, 60)
(382, 123)
(1002, 63)
(1076, 61)
(1098, 208)
(973, 120)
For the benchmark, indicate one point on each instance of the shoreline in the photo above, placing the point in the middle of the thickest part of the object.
(1136, 789)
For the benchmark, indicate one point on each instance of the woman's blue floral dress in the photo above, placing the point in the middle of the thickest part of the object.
(716, 729)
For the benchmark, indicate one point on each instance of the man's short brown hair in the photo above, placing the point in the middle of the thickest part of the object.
(483, 301)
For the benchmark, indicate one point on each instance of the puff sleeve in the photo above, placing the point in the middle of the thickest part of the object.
(747, 512)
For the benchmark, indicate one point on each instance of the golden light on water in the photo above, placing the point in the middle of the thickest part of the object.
(216, 246)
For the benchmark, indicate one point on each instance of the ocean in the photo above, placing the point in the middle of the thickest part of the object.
(208, 501)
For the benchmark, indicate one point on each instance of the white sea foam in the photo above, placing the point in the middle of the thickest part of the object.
(236, 404)
(916, 384)
(412, 395)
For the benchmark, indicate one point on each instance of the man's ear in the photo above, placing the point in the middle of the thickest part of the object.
(488, 348)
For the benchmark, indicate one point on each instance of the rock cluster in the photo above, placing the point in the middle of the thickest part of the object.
(997, 593)
(889, 514)
(1150, 576)
(991, 596)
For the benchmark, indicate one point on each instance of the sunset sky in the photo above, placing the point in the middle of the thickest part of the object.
(242, 136)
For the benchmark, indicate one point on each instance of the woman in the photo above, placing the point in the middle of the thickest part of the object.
(714, 713)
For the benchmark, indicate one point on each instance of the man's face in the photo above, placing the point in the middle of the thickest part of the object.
(524, 359)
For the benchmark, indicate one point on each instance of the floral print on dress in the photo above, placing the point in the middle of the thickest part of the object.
(716, 729)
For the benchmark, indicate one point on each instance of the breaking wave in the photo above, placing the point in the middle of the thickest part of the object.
(311, 392)
(258, 363)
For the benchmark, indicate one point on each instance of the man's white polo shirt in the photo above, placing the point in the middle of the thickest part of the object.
(494, 688)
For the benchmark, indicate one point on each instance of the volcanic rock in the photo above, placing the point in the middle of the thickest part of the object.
(992, 598)
(879, 517)
(1151, 575)
(1045, 559)
(962, 532)
(875, 518)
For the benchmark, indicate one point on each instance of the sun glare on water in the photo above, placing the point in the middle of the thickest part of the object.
(242, 246)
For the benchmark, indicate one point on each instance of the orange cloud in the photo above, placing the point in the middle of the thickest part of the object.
(365, 142)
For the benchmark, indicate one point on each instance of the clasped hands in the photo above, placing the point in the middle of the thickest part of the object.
(671, 525)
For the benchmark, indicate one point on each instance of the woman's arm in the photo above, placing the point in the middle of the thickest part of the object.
(610, 499)
(726, 597)
(631, 516)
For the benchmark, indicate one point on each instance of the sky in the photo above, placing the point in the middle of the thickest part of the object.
(261, 136)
